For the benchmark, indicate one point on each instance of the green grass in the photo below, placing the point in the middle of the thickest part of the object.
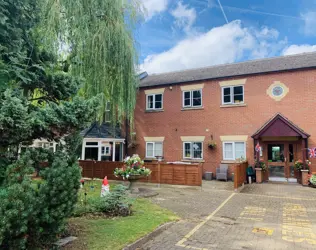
(114, 233)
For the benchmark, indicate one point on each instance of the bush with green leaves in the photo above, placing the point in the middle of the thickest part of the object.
(33, 214)
(312, 180)
(115, 203)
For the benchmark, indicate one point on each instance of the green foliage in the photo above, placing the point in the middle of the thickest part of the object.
(312, 180)
(34, 214)
(114, 203)
(97, 43)
(38, 99)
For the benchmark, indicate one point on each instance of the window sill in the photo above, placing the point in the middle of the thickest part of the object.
(228, 161)
(154, 110)
(193, 160)
(191, 108)
(233, 105)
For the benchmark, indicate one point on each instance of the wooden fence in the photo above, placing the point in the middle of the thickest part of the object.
(176, 174)
(240, 174)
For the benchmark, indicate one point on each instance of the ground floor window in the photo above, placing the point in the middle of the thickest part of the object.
(234, 150)
(193, 150)
(154, 149)
(91, 153)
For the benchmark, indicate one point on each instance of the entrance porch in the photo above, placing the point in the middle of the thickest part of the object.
(282, 143)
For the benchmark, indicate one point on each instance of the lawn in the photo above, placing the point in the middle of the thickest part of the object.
(115, 233)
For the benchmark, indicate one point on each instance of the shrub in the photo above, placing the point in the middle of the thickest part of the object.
(312, 180)
(116, 202)
(33, 214)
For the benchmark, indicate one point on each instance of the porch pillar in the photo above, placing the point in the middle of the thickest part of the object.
(257, 153)
(122, 151)
(83, 150)
(99, 150)
(113, 151)
(304, 152)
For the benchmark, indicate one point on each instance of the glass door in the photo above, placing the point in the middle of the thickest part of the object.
(276, 162)
(291, 157)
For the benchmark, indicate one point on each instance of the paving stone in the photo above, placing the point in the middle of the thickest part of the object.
(276, 207)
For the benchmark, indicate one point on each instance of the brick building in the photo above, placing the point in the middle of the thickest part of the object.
(181, 115)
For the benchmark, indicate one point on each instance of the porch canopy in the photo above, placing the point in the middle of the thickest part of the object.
(102, 143)
(279, 128)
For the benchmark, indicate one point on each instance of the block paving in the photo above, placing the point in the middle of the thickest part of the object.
(267, 216)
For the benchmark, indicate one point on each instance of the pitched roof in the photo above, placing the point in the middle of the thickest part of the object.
(268, 65)
(105, 130)
(286, 121)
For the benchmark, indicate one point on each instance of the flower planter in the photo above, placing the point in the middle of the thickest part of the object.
(132, 179)
(259, 175)
(305, 178)
(298, 176)
(212, 146)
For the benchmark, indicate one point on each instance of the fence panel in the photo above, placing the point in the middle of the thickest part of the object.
(177, 174)
(240, 174)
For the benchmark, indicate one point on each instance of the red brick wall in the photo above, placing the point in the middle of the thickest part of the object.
(298, 106)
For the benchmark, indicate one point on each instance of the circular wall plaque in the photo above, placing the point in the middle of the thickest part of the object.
(277, 91)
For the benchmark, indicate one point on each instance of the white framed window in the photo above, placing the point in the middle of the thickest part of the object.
(154, 149)
(154, 101)
(234, 150)
(46, 145)
(233, 95)
(192, 98)
(193, 150)
(105, 150)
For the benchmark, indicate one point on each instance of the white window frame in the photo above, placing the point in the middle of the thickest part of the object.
(232, 95)
(107, 150)
(154, 149)
(234, 151)
(191, 150)
(191, 98)
(154, 102)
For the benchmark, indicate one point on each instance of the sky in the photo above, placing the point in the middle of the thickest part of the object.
(178, 35)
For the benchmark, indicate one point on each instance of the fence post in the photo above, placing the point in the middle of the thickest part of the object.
(159, 173)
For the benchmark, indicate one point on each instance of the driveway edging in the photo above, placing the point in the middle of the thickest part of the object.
(149, 236)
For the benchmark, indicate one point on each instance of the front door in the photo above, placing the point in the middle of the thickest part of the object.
(276, 162)
(281, 161)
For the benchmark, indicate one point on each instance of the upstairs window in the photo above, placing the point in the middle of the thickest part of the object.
(154, 102)
(154, 149)
(193, 150)
(233, 95)
(192, 98)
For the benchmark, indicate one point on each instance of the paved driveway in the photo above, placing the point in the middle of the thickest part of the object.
(267, 216)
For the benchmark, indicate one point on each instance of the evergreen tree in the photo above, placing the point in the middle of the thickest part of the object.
(38, 97)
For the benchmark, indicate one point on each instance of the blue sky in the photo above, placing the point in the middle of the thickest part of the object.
(177, 35)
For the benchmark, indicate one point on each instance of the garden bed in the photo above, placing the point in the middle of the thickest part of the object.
(99, 232)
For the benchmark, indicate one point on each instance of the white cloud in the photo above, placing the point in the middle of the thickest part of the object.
(184, 15)
(310, 23)
(297, 49)
(225, 44)
(154, 7)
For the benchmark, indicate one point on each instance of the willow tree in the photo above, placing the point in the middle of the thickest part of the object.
(96, 38)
